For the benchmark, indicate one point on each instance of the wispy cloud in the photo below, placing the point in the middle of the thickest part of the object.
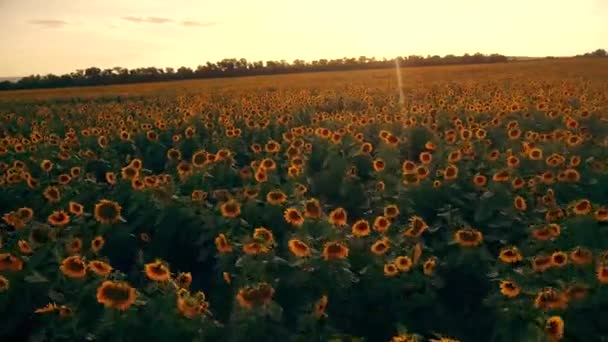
(162, 20)
(194, 23)
(50, 23)
(149, 20)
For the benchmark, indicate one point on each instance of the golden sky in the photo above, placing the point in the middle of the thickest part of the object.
(59, 36)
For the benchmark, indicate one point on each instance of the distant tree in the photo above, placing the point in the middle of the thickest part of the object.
(229, 67)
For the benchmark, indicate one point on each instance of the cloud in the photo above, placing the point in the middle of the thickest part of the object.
(194, 23)
(149, 20)
(161, 20)
(50, 23)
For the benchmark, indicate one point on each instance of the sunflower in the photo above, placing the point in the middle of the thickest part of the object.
(107, 212)
(338, 217)
(581, 256)
(378, 165)
(390, 270)
(450, 172)
(50, 307)
(416, 227)
(582, 207)
(408, 167)
(468, 237)
(74, 246)
(116, 295)
(268, 164)
(128, 173)
(199, 159)
(222, 244)
(276, 197)
(25, 214)
(602, 274)
(293, 217)
(46, 165)
(509, 289)
(366, 148)
(183, 280)
(298, 248)
(319, 307)
(391, 211)
(381, 224)
(501, 176)
(254, 248)
(259, 294)
(540, 263)
(157, 271)
(110, 178)
(174, 154)
(76, 208)
(576, 291)
(559, 259)
(64, 179)
(261, 176)
(272, 147)
(551, 299)
(100, 268)
(264, 235)
(542, 234)
(230, 209)
(425, 157)
(381, 246)
(52, 194)
(554, 326)
(312, 208)
(58, 218)
(9, 262)
(520, 203)
(97, 244)
(510, 255)
(361, 228)
(429, 265)
(5, 284)
(480, 180)
(601, 215)
(73, 267)
(335, 250)
(403, 263)
(24, 247)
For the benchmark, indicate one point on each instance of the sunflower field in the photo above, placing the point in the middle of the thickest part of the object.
(315, 207)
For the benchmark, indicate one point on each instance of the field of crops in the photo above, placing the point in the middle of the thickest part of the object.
(310, 207)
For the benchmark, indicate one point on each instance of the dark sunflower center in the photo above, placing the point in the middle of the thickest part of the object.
(116, 293)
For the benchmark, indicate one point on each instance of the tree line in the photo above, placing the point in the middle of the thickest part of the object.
(233, 67)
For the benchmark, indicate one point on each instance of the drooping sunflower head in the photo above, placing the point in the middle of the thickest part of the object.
(509, 289)
(391, 211)
(338, 217)
(157, 271)
(100, 268)
(361, 228)
(222, 244)
(58, 218)
(381, 246)
(276, 197)
(116, 295)
(312, 208)
(468, 237)
(73, 267)
(335, 250)
(183, 280)
(299, 248)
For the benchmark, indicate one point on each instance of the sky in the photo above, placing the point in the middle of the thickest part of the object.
(60, 36)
